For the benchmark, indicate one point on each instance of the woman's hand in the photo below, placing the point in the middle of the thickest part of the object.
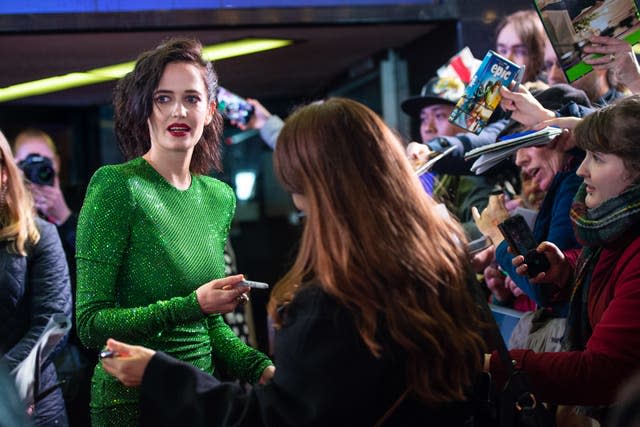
(496, 282)
(559, 271)
(222, 295)
(267, 374)
(49, 200)
(524, 107)
(491, 216)
(617, 55)
(482, 259)
(129, 363)
(417, 153)
(568, 123)
(258, 118)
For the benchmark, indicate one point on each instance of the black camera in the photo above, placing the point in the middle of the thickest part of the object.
(38, 169)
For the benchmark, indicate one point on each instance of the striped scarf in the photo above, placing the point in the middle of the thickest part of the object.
(594, 229)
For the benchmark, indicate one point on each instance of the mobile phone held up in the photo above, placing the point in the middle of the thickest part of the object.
(517, 232)
(478, 245)
(233, 107)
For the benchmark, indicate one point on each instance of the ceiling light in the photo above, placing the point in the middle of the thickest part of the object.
(113, 72)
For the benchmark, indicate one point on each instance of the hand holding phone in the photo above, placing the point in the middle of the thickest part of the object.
(516, 231)
(233, 107)
(479, 244)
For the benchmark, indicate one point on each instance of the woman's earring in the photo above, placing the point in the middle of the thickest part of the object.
(3, 193)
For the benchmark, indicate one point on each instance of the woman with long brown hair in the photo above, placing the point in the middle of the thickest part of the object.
(374, 318)
(34, 284)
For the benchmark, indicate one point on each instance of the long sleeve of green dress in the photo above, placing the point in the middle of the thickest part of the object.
(143, 248)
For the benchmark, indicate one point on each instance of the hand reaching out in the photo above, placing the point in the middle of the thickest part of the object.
(617, 55)
(129, 363)
(491, 216)
(258, 118)
(524, 107)
(559, 271)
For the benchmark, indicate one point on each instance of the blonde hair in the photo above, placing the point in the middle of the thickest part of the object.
(17, 220)
(34, 134)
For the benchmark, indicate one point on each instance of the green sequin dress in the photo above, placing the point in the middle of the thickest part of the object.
(143, 248)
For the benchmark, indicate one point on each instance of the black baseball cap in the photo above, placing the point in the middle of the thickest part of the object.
(438, 90)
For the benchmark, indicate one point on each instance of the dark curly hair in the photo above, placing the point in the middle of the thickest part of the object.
(133, 103)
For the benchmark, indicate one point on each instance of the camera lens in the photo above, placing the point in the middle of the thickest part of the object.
(38, 169)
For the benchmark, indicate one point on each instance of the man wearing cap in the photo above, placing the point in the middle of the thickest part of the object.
(432, 107)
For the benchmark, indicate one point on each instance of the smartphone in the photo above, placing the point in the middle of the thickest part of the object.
(254, 285)
(517, 232)
(233, 107)
(479, 244)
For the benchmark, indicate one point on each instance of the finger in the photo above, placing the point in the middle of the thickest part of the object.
(119, 347)
(517, 261)
(475, 214)
(506, 93)
(522, 270)
(539, 278)
(228, 281)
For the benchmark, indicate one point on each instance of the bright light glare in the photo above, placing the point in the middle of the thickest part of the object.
(245, 184)
(113, 72)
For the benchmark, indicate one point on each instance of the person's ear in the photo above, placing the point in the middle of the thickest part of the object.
(563, 142)
(210, 112)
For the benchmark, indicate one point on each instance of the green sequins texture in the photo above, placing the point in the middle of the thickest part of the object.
(143, 248)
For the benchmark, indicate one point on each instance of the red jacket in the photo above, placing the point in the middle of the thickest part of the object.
(612, 354)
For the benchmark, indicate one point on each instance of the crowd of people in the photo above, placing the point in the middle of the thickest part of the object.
(377, 321)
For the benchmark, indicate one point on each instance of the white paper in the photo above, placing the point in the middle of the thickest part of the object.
(25, 373)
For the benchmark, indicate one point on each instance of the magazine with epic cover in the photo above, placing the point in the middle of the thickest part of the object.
(571, 23)
(482, 95)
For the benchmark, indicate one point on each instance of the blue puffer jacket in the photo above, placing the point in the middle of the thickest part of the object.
(32, 289)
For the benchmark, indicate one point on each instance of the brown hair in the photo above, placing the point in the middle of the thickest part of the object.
(374, 241)
(613, 129)
(529, 28)
(133, 103)
(17, 222)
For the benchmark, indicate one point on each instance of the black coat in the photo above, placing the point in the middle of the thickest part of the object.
(32, 289)
(325, 376)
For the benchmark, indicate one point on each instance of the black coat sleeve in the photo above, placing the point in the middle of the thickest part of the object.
(325, 375)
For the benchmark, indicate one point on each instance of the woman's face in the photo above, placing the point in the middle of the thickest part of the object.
(511, 47)
(541, 164)
(180, 109)
(605, 176)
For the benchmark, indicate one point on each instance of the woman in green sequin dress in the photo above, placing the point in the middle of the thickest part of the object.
(152, 231)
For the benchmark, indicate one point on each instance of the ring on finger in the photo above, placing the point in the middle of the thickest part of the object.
(612, 57)
(242, 299)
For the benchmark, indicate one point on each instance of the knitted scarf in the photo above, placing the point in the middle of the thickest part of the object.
(594, 229)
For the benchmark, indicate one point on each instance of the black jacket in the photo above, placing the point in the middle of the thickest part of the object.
(325, 376)
(33, 288)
